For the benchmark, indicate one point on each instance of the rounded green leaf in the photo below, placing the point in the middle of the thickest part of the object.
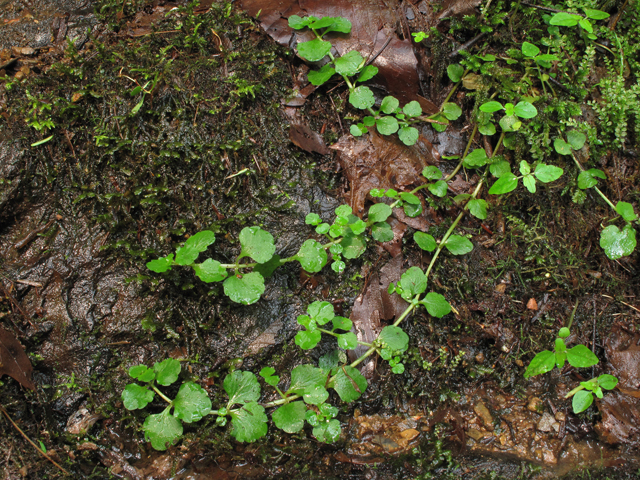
(368, 73)
(432, 173)
(319, 77)
(161, 264)
(510, 123)
(413, 281)
(576, 139)
(348, 63)
(525, 110)
(304, 379)
(477, 158)
(586, 24)
(357, 130)
(412, 109)
(196, 244)
(564, 19)
(595, 14)
(478, 208)
(547, 173)
(491, 107)
(459, 245)
(245, 289)
(142, 373)
(268, 374)
(321, 312)
(586, 179)
(316, 395)
(340, 24)
(167, 371)
(439, 189)
(581, 401)
(327, 432)
(625, 210)
(349, 383)
(379, 212)
(242, 387)
(387, 125)
(408, 135)
(249, 423)
(312, 256)
(382, 232)
(564, 332)
(348, 341)
(499, 168)
(267, 269)
(505, 184)
(529, 49)
(307, 339)
(451, 111)
(353, 245)
(162, 430)
(608, 382)
(487, 129)
(618, 243)
(581, 357)
(389, 104)
(436, 305)
(341, 323)
(134, 396)
(314, 50)
(530, 183)
(410, 198)
(191, 403)
(394, 338)
(290, 417)
(455, 72)
(362, 98)
(543, 362)
(298, 23)
(210, 271)
(425, 241)
(257, 244)
(562, 147)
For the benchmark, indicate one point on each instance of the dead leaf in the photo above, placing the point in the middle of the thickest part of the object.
(532, 304)
(451, 8)
(620, 418)
(308, 140)
(623, 353)
(14, 361)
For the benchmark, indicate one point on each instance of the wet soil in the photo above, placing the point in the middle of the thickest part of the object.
(208, 147)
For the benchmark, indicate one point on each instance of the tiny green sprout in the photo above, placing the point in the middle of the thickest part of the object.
(583, 394)
(565, 19)
(419, 36)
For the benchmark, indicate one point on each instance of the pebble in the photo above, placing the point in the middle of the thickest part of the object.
(535, 405)
(547, 423)
(475, 434)
(483, 412)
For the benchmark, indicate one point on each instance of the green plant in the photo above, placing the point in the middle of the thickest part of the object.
(583, 395)
(566, 19)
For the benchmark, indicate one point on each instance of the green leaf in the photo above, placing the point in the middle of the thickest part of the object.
(358, 227)
(442, 126)
(321, 312)
(323, 22)
(608, 382)
(357, 130)
(242, 387)
(412, 210)
(267, 269)
(319, 77)
(387, 125)
(330, 361)
(510, 123)
(245, 289)
(478, 208)
(451, 111)
(349, 383)
(249, 423)
(394, 338)
(167, 371)
(382, 232)
(581, 401)
(432, 173)
(161, 264)
(586, 179)
(348, 341)
(595, 14)
(525, 110)
(581, 357)
(477, 158)
(505, 184)
(389, 104)
(564, 19)
(617, 243)
(142, 373)
(312, 256)
(586, 24)
(327, 432)
(412, 109)
(134, 396)
(342, 323)
(316, 395)
(525, 168)
(362, 98)
(491, 107)
(548, 173)
(290, 417)
(425, 241)
(353, 245)
(307, 340)
(625, 210)
(314, 50)
(436, 305)
(162, 429)
(367, 73)
(408, 135)
(257, 244)
(529, 182)
(268, 374)
(543, 362)
(410, 198)
(192, 403)
(487, 129)
(500, 168)
(562, 147)
(298, 23)
(210, 271)
(564, 332)
(529, 49)
(439, 189)
(413, 282)
(304, 379)
(340, 24)
(459, 245)
(379, 212)
(349, 63)
(576, 139)
(455, 72)
(196, 244)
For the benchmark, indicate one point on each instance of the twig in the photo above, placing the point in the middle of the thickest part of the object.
(31, 441)
(467, 45)
(612, 27)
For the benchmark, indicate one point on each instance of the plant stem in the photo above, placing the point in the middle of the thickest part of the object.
(464, 155)
(162, 395)
(604, 197)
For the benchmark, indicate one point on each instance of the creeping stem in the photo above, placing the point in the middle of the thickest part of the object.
(604, 197)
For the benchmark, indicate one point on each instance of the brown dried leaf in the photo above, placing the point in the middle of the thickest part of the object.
(451, 8)
(532, 304)
(308, 140)
(14, 361)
